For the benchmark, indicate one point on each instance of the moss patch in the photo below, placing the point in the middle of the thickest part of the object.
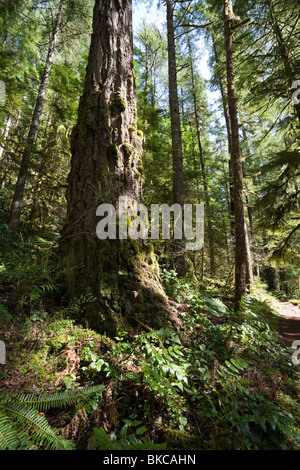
(45, 353)
(119, 102)
(140, 134)
(180, 440)
(129, 152)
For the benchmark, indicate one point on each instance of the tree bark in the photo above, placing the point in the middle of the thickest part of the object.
(16, 207)
(117, 278)
(241, 239)
(249, 208)
(178, 172)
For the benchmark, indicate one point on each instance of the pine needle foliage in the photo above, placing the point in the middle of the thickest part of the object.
(279, 202)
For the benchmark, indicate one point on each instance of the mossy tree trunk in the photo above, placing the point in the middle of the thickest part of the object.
(120, 276)
(243, 268)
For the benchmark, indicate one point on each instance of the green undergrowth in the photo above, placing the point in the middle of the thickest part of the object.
(223, 381)
(219, 380)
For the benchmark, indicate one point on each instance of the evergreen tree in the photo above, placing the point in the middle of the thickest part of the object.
(120, 277)
(243, 269)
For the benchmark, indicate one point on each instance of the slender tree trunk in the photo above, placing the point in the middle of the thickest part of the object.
(153, 81)
(147, 72)
(210, 231)
(16, 207)
(154, 76)
(241, 240)
(228, 201)
(178, 176)
(178, 172)
(116, 278)
(195, 161)
(225, 173)
(198, 195)
(229, 139)
(249, 208)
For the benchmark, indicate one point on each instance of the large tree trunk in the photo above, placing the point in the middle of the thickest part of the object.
(118, 277)
(178, 173)
(16, 207)
(242, 255)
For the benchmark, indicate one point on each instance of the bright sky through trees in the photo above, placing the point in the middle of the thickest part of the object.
(151, 14)
(157, 16)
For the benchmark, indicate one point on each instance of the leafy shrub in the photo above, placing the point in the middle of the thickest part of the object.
(126, 440)
(255, 421)
(164, 368)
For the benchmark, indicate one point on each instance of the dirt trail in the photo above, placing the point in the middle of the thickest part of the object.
(289, 322)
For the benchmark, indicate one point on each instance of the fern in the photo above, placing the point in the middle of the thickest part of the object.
(215, 307)
(23, 420)
(22, 426)
(245, 305)
(8, 434)
(44, 402)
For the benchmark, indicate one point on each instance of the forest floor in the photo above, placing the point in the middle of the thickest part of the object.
(289, 322)
(215, 380)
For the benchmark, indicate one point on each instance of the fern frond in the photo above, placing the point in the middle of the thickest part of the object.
(29, 419)
(23, 425)
(8, 434)
(245, 304)
(44, 402)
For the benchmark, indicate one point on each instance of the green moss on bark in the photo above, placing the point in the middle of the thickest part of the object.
(119, 102)
(140, 135)
(129, 288)
(129, 152)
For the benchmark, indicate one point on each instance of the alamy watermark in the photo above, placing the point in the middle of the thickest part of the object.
(2, 92)
(296, 353)
(133, 220)
(2, 353)
(296, 95)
